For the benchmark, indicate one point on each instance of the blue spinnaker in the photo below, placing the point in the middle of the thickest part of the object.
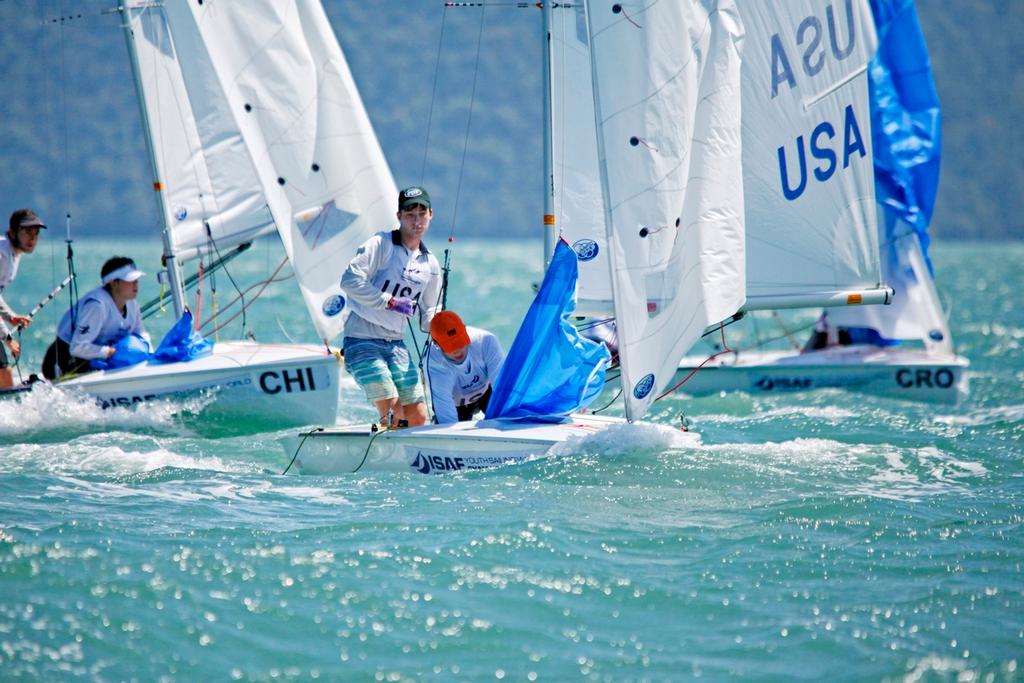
(182, 342)
(905, 120)
(550, 370)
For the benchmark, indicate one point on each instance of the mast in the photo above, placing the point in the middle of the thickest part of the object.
(169, 258)
(550, 230)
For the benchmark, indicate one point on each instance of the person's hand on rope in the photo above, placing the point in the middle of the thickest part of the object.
(15, 347)
(403, 305)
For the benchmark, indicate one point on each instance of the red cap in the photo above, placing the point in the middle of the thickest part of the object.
(449, 332)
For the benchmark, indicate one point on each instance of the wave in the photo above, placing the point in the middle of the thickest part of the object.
(49, 412)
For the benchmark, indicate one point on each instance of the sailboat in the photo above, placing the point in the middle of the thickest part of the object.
(254, 127)
(670, 213)
(905, 349)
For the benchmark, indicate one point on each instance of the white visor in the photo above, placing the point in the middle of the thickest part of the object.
(128, 273)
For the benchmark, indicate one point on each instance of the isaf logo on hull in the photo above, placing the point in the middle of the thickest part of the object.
(783, 383)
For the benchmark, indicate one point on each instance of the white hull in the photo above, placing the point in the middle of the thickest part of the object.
(903, 373)
(283, 384)
(434, 449)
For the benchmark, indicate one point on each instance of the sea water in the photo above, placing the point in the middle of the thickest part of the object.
(816, 536)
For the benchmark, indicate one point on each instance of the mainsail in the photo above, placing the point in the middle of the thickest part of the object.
(667, 107)
(807, 158)
(292, 98)
(202, 167)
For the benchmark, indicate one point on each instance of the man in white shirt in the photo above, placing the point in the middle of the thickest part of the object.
(462, 364)
(102, 318)
(392, 278)
(21, 238)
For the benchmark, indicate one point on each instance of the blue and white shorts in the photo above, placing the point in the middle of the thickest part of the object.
(384, 369)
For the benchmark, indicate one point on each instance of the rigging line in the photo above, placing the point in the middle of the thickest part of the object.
(785, 332)
(428, 392)
(224, 263)
(301, 444)
(757, 327)
(725, 349)
(469, 121)
(64, 119)
(263, 285)
(366, 453)
(609, 404)
(433, 93)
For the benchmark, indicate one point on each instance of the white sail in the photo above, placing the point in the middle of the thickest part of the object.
(579, 210)
(202, 165)
(915, 313)
(807, 161)
(320, 166)
(666, 79)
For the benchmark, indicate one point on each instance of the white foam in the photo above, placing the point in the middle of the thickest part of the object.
(84, 457)
(620, 438)
(48, 408)
(987, 416)
(873, 470)
(827, 413)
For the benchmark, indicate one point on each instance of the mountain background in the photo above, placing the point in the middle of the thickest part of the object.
(454, 96)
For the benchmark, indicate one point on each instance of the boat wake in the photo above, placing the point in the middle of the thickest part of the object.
(985, 417)
(93, 456)
(618, 439)
(884, 471)
(49, 412)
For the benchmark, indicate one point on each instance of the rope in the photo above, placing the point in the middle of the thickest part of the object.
(469, 121)
(263, 284)
(366, 453)
(199, 298)
(433, 94)
(778, 321)
(725, 349)
(301, 444)
(223, 263)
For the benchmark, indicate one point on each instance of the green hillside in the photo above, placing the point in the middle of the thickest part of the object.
(71, 138)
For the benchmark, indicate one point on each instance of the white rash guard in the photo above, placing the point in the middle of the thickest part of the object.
(384, 269)
(99, 325)
(453, 384)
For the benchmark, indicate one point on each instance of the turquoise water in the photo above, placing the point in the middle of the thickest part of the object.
(812, 536)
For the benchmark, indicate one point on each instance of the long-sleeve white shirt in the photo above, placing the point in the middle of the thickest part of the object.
(383, 269)
(99, 325)
(8, 269)
(453, 384)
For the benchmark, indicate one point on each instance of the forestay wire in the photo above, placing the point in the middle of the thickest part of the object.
(442, 299)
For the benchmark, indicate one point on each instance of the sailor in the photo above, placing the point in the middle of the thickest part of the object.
(823, 336)
(102, 318)
(392, 278)
(21, 238)
(462, 364)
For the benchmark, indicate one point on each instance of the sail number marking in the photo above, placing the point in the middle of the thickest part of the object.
(288, 381)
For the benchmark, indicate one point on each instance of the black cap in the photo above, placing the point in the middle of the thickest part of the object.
(412, 196)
